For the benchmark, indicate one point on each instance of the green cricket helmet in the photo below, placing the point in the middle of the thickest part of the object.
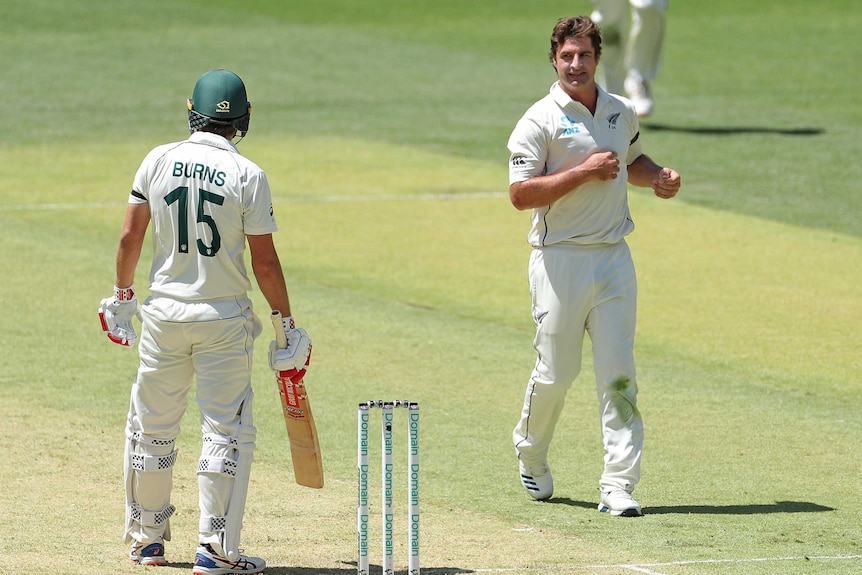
(219, 98)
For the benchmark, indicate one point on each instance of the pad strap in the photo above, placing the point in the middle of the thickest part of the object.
(217, 439)
(151, 518)
(222, 465)
(149, 439)
(142, 462)
(209, 524)
(244, 443)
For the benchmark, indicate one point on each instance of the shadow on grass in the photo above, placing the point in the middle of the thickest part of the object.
(733, 130)
(350, 569)
(752, 509)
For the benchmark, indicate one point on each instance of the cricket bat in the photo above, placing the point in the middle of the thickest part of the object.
(301, 431)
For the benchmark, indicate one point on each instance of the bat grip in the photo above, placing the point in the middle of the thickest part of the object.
(280, 338)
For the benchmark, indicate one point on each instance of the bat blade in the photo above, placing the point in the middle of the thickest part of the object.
(299, 421)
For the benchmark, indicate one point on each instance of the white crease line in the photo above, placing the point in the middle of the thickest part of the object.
(717, 561)
(637, 569)
(646, 568)
(38, 207)
(562, 569)
(297, 200)
(392, 197)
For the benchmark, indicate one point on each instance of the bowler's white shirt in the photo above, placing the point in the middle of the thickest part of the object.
(557, 133)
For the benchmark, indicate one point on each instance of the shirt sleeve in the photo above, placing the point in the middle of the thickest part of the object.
(140, 185)
(528, 146)
(635, 147)
(258, 215)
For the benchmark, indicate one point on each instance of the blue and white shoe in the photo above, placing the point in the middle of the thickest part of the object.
(208, 563)
(537, 481)
(619, 503)
(151, 554)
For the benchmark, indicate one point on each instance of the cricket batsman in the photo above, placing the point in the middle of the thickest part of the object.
(205, 201)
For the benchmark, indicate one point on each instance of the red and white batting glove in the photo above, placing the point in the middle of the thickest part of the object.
(116, 313)
(291, 362)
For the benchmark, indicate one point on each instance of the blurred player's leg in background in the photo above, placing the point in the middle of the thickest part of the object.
(613, 18)
(632, 42)
(643, 57)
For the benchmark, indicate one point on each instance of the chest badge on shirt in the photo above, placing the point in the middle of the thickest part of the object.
(612, 121)
(570, 126)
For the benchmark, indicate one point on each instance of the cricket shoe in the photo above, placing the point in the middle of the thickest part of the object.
(639, 94)
(149, 554)
(537, 481)
(619, 503)
(207, 562)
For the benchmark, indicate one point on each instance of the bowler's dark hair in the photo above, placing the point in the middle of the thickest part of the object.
(576, 27)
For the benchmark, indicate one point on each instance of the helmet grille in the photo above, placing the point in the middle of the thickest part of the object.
(197, 121)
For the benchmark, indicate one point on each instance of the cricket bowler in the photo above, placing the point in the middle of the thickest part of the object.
(572, 155)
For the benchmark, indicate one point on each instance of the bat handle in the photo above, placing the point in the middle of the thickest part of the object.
(280, 338)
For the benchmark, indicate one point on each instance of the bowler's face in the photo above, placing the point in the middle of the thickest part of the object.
(576, 64)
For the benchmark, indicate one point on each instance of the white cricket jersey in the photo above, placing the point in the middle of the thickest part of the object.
(204, 198)
(557, 133)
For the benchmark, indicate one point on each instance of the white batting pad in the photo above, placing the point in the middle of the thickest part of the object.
(148, 471)
(223, 475)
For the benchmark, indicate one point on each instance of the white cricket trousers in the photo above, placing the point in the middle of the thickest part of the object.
(210, 343)
(578, 289)
(633, 38)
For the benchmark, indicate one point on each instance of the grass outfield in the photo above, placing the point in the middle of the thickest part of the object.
(382, 130)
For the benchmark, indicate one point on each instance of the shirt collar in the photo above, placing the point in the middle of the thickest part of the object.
(559, 95)
(213, 140)
(562, 99)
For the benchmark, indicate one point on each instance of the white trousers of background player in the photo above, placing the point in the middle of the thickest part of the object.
(181, 342)
(632, 40)
(578, 289)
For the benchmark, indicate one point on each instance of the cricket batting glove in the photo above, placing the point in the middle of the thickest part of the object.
(292, 361)
(116, 314)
